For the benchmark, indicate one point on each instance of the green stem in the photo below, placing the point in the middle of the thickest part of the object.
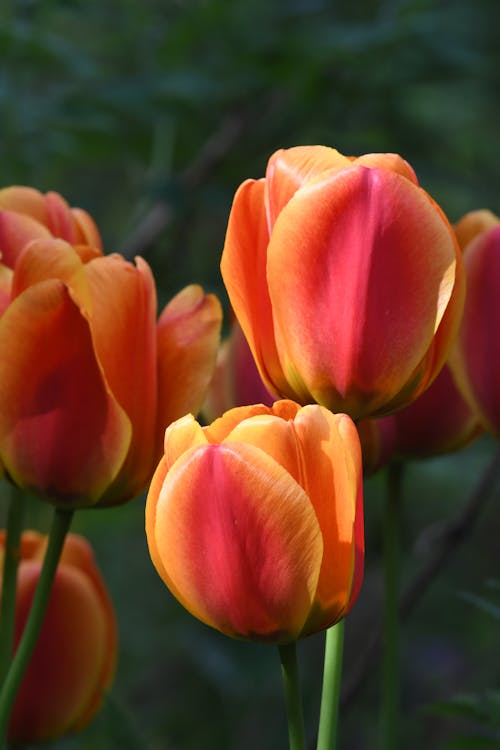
(60, 525)
(290, 674)
(391, 666)
(330, 695)
(15, 516)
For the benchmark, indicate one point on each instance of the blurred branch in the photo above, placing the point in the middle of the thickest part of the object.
(440, 542)
(220, 143)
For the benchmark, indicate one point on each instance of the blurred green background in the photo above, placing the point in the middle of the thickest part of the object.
(149, 113)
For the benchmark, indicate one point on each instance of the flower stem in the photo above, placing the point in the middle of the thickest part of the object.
(391, 666)
(60, 525)
(15, 516)
(290, 674)
(330, 695)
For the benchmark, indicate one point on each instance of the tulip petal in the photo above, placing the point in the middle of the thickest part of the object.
(188, 338)
(243, 268)
(221, 427)
(24, 200)
(122, 317)
(473, 224)
(331, 456)
(6, 276)
(476, 360)
(49, 259)
(62, 433)
(16, 231)
(348, 252)
(288, 169)
(181, 435)
(87, 231)
(393, 162)
(251, 568)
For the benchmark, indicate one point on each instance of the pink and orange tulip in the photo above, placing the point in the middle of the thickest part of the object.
(476, 356)
(74, 660)
(89, 379)
(255, 522)
(345, 277)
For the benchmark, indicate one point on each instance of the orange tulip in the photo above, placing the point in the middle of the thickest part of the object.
(74, 660)
(345, 277)
(236, 380)
(88, 378)
(476, 356)
(255, 523)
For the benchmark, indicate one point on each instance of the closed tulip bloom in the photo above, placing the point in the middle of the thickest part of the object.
(255, 523)
(476, 356)
(438, 422)
(346, 278)
(236, 380)
(73, 663)
(27, 214)
(89, 379)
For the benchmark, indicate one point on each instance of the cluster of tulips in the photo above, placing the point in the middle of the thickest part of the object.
(365, 328)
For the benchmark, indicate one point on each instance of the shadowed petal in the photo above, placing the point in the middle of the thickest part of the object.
(188, 336)
(16, 231)
(243, 268)
(62, 433)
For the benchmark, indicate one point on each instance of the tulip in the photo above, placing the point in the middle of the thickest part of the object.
(346, 279)
(476, 356)
(255, 523)
(26, 214)
(88, 378)
(74, 660)
(236, 380)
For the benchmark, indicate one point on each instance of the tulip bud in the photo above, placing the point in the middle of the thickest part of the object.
(73, 663)
(476, 357)
(346, 279)
(273, 551)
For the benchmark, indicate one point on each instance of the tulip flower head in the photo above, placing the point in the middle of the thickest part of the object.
(476, 357)
(345, 277)
(74, 660)
(255, 522)
(89, 379)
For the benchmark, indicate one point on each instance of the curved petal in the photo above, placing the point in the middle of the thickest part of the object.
(221, 427)
(370, 266)
(251, 568)
(87, 231)
(181, 435)
(6, 277)
(331, 456)
(393, 162)
(63, 435)
(288, 169)
(122, 319)
(476, 361)
(59, 218)
(473, 224)
(243, 268)
(188, 337)
(16, 231)
(24, 200)
(49, 259)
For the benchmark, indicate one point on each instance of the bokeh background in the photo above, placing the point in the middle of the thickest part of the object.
(149, 113)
